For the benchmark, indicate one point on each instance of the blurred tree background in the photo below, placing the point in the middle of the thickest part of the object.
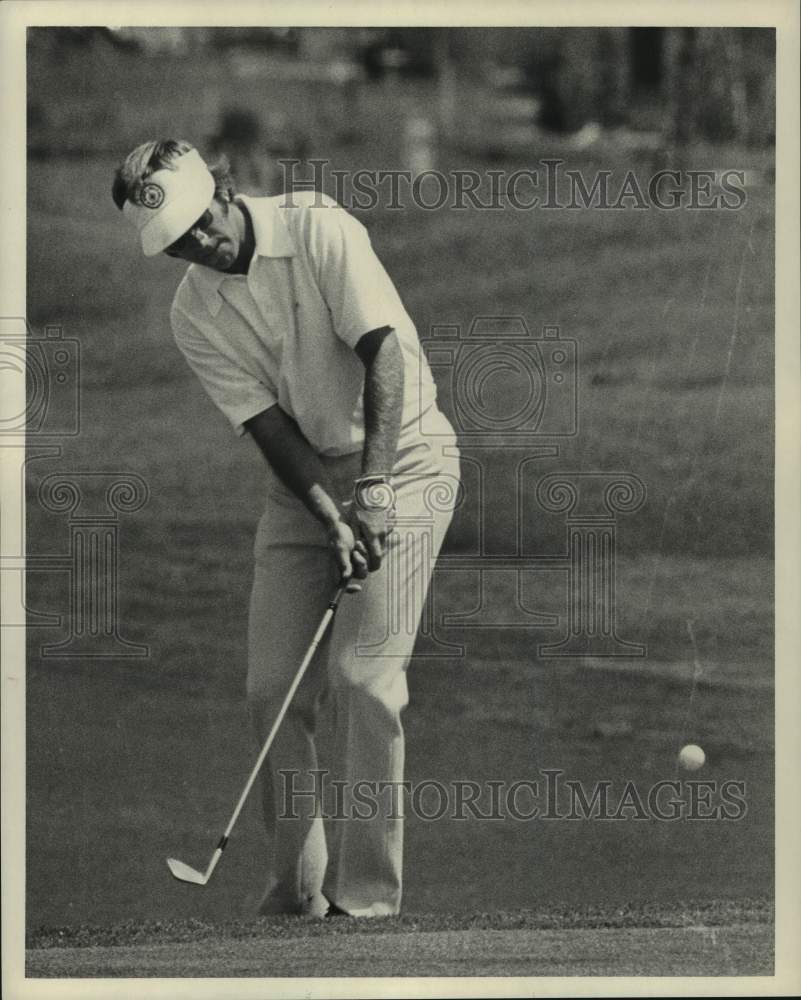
(295, 91)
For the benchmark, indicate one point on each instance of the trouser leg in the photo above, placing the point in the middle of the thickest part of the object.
(372, 641)
(288, 600)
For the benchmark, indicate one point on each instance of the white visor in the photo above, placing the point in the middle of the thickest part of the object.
(170, 201)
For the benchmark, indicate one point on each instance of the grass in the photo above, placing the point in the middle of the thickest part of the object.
(125, 770)
(509, 945)
(689, 913)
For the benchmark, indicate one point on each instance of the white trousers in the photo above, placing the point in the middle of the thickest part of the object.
(354, 858)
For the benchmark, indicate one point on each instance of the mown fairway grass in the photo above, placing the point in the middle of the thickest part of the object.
(725, 939)
(728, 951)
(129, 772)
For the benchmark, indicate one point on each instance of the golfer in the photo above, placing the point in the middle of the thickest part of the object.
(298, 335)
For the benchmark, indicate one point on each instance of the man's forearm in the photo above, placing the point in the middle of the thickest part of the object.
(294, 461)
(383, 404)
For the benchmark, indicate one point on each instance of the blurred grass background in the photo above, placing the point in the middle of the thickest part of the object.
(673, 314)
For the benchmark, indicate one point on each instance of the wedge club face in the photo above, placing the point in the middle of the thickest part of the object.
(184, 873)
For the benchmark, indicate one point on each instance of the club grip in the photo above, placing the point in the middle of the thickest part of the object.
(336, 598)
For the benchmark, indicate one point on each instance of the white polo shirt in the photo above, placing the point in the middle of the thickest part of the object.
(285, 333)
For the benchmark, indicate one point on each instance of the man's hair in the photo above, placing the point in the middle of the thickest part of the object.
(159, 155)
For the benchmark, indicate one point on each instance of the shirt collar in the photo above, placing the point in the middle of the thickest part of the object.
(273, 239)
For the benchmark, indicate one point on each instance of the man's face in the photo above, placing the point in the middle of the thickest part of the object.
(213, 241)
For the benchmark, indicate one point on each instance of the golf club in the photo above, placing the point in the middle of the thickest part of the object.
(183, 872)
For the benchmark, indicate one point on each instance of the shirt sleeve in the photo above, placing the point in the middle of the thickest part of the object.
(237, 393)
(351, 278)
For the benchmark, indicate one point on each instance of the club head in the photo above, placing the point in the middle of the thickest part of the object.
(184, 873)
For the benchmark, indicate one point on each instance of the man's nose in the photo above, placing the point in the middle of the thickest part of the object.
(202, 238)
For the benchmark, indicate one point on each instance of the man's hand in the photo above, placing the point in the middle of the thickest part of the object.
(299, 468)
(372, 515)
(350, 554)
(372, 528)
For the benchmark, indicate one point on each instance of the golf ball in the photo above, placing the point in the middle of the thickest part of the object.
(691, 757)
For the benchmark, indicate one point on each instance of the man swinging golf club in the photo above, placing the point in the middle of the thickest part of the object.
(298, 335)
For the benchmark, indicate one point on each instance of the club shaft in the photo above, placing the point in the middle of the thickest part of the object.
(213, 863)
(321, 629)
